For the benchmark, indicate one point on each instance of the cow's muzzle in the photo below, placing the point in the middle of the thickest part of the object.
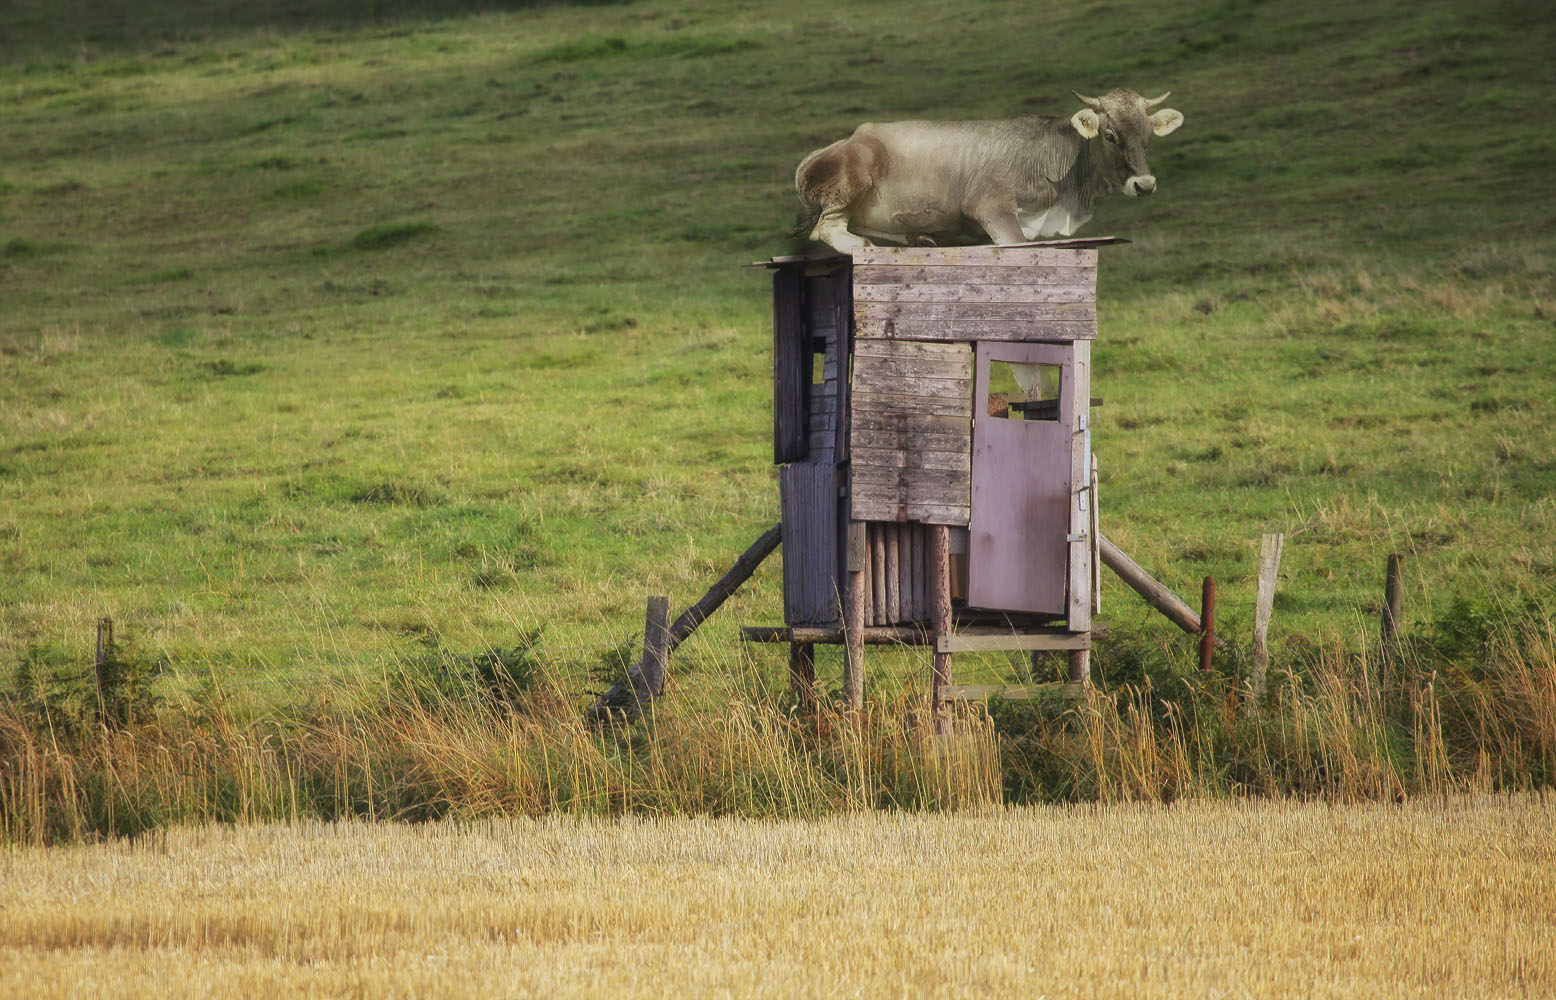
(1140, 185)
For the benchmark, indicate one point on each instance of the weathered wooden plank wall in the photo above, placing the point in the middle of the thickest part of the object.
(873, 404)
(808, 497)
(812, 320)
(975, 293)
(791, 367)
(911, 427)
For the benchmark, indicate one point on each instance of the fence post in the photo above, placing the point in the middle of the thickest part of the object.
(100, 668)
(656, 647)
(1264, 606)
(1207, 623)
(1393, 597)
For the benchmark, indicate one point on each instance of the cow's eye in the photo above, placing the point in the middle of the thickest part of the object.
(1111, 136)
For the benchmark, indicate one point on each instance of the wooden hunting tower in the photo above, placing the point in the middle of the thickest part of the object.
(932, 427)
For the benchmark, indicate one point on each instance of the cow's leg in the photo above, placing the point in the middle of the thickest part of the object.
(1003, 227)
(996, 214)
(832, 229)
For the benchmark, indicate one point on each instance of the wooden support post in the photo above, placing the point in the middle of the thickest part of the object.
(1080, 666)
(862, 567)
(656, 648)
(687, 621)
(1264, 606)
(940, 597)
(1393, 598)
(1158, 596)
(854, 616)
(1078, 549)
(628, 695)
(802, 673)
(1096, 532)
(1207, 633)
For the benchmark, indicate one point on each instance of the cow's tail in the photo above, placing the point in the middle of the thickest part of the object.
(805, 222)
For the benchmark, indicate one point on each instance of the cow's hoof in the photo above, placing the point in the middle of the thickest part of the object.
(922, 241)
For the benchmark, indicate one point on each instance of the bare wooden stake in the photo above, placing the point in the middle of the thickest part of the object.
(1393, 598)
(100, 668)
(940, 597)
(656, 647)
(1207, 631)
(1264, 606)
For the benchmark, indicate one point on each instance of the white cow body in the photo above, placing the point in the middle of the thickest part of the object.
(1006, 180)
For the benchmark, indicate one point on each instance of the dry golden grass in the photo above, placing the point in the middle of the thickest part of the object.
(1197, 899)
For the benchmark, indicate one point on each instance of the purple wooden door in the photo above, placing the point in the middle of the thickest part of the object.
(1017, 556)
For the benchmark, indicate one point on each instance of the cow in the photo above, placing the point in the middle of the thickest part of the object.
(1008, 180)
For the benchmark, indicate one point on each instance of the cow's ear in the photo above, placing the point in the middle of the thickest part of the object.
(1166, 120)
(1087, 122)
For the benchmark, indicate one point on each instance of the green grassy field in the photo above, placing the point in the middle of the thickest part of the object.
(329, 338)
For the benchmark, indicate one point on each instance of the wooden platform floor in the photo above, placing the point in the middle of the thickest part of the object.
(972, 639)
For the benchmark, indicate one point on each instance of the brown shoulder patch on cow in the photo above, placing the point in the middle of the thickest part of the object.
(840, 174)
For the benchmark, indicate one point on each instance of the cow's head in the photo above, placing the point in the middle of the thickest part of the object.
(1126, 123)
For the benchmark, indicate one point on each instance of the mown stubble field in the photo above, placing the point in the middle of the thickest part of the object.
(1223, 899)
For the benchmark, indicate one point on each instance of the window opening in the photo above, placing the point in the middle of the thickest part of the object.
(1023, 391)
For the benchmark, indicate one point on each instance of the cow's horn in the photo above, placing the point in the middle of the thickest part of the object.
(1153, 103)
(1093, 103)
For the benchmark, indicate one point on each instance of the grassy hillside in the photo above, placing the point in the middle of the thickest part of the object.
(325, 338)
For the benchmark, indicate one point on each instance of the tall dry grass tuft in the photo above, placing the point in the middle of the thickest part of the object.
(1336, 727)
(422, 755)
(1507, 708)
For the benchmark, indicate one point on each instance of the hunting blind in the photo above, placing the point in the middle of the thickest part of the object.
(932, 417)
(932, 428)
